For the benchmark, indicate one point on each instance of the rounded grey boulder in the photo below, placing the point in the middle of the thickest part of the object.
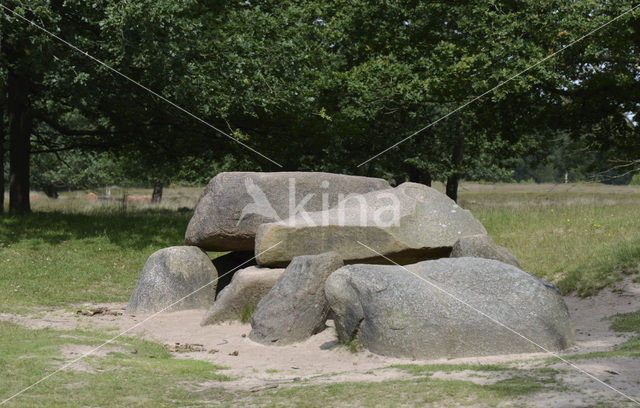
(245, 290)
(296, 307)
(482, 246)
(396, 313)
(170, 274)
(234, 204)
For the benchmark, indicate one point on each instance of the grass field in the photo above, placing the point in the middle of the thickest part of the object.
(70, 251)
(73, 250)
(55, 258)
(580, 237)
(137, 372)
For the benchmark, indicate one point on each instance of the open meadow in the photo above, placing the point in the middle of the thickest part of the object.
(77, 254)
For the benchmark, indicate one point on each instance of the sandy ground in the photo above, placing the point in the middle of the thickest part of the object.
(320, 359)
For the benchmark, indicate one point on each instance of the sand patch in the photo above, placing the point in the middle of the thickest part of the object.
(320, 360)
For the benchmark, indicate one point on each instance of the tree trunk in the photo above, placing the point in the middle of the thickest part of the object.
(2, 106)
(50, 190)
(417, 176)
(456, 160)
(452, 187)
(2, 159)
(156, 197)
(19, 143)
(426, 178)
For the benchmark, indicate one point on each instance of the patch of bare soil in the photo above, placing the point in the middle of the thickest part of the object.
(592, 315)
(321, 360)
(72, 352)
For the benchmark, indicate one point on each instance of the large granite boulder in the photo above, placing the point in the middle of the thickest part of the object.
(247, 287)
(296, 307)
(170, 274)
(234, 204)
(395, 313)
(482, 246)
(407, 224)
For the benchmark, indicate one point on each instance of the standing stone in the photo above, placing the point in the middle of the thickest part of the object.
(482, 246)
(247, 287)
(170, 274)
(407, 224)
(296, 307)
(234, 204)
(395, 313)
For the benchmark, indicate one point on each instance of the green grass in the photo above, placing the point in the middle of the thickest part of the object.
(73, 252)
(49, 259)
(415, 393)
(623, 322)
(173, 198)
(247, 312)
(582, 241)
(354, 345)
(627, 322)
(582, 238)
(415, 369)
(138, 374)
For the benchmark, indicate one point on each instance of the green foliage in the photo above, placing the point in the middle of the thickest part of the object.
(247, 312)
(635, 180)
(74, 170)
(354, 345)
(325, 85)
(81, 170)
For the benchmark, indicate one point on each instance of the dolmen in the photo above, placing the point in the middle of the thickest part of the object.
(402, 270)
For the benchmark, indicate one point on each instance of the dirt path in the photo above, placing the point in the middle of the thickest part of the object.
(321, 360)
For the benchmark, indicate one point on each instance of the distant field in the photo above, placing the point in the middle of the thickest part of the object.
(582, 237)
(78, 201)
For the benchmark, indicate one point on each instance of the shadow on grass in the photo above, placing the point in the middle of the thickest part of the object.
(135, 230)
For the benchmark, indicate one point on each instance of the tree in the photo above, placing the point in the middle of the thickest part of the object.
(401, 66)
(191, 53)
(19, 146)
(3, 94)
(319, 85)
(15, 49)
(598, 96)
(48, 99)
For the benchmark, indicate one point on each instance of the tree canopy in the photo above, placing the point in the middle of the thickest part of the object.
(323, 85)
